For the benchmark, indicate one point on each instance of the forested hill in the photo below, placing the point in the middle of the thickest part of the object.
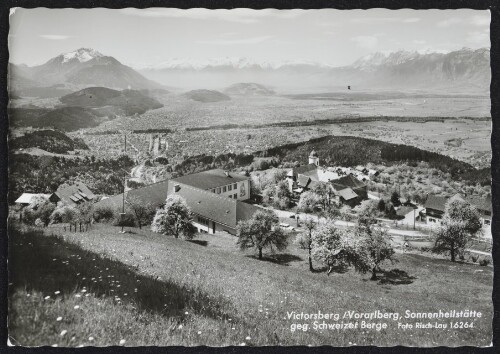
(352, 151)
(344, 151)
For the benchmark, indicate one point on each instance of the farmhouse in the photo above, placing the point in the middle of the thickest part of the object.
(27, 198)
(72, 195)
(213, 196)
(483, 205)
(435, 207)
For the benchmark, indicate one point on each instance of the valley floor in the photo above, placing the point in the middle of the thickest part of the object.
(141, 288)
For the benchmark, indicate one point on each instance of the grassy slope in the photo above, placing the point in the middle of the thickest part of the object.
(255, 294)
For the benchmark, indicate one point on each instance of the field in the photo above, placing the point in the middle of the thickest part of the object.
(141, 288)
(180, 113)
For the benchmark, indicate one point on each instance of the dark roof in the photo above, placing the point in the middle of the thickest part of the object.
(223, 210)
(347, 194)
(304, 169)
(404, 210)
(155, 194)
(303, 180)
(436, 202)
(348, 181)
(479, 202)
(210, 179)
(74, 194)
(215, 207)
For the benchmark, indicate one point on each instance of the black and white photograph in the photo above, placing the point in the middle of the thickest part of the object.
(215, 177)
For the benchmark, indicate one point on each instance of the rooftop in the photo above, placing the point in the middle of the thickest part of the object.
(223, 210)
(210, 179)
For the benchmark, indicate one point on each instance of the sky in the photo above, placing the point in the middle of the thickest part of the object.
(147, 37)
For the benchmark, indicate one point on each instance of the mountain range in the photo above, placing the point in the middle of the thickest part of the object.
(72, 71)
(464, 71)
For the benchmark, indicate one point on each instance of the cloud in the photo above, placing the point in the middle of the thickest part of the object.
(479, 38)
(365, 42)
(236, 15)
(480, 20)
(253, 40)
(56, 37)
(449, 22)
(419, 42)
(412, 20)
(382, 20)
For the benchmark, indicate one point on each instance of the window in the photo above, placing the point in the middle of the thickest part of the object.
(235, 186)
(213, 190)
(487, 222)
(218, 190)
(230, 187)
(235, 196)
(230, 196)
(203, 221)
(224, 189)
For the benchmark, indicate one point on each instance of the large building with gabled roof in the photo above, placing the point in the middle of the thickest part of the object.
(218, 181)
(215, 198)
(72, 195)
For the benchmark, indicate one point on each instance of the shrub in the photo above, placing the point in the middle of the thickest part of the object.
(474, 258)
(484, 262)
(127, 219)
(39, 223)
(104, 213)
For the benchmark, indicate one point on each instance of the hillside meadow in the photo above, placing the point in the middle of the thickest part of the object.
(102, 287)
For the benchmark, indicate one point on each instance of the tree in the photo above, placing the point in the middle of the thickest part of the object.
(283, 196)
(461, 221)
(142, 210)
(339, 248)
(395, 198)
(44, 212)
(324, 192)
(462, 211)
(367, 215)
(381, 205)
(379, 248)
(307, 202)
(304, 239)
(174, 218)
(85, 212)
(261, 231)
(451, 237)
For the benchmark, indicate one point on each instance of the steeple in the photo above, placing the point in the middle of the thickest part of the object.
(314, 158)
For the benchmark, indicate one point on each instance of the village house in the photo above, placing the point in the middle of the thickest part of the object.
(347, 188)
(27, 198)
(215, 198)
(435, 207)
(72, 195)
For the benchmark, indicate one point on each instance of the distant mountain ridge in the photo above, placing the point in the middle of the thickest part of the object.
(75, 70)
(464, 69)
(248, 89)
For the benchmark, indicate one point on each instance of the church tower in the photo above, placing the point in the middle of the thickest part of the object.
(314, 158)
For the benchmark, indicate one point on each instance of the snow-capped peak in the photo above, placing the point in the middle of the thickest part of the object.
(82, 55)
(233, 62)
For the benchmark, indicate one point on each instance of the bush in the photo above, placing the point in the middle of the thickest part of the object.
(484, 262)
(127, 219)
(474, 258)
(104, 213)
